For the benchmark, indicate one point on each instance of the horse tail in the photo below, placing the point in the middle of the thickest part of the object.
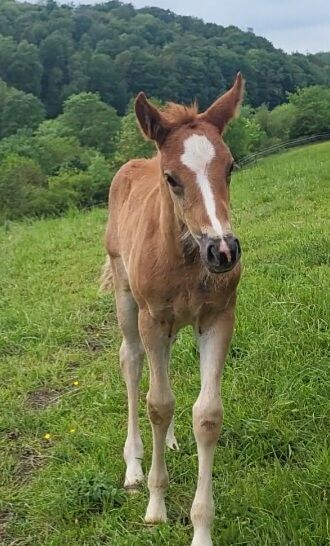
(106, 283)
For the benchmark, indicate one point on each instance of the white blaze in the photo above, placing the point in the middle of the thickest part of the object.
(198, 154)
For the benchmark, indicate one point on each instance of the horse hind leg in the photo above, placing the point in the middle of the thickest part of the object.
(131, 359)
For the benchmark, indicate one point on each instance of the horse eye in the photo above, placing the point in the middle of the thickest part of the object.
(171, 181)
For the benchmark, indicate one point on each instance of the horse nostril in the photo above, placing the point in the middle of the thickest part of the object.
(234, 247)
(213, 256)
(235, 250)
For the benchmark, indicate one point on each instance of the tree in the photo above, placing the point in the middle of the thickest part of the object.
(141, 70)
(105, 78)
(53, 128)
(77, 183)
(101, 175)
(93, 122)
(17, 176)
(59, 152)
(25, 70)
(20, 110)
(312, 111)
(20, 65)
(20, 143)
(7, 53)
(54, 50)
(78, 72)
(244, 135)
(280, 121)
(262, 117)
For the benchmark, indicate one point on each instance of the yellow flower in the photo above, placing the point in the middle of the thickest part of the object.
(47, 436)
(75, 383)
(72, 430)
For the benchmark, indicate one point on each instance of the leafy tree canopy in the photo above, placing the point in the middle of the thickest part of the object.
(91, 121)
(18, 110)
(54, 50)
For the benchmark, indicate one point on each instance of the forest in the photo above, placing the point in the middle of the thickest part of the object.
(68, 76)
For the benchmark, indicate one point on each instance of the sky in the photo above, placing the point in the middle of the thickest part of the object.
(292, 25)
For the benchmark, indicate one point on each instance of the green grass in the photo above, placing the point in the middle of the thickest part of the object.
(272, 461)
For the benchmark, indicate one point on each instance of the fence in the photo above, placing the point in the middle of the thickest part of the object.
(281, 147)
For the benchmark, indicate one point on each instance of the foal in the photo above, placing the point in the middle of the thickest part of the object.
(174, 261)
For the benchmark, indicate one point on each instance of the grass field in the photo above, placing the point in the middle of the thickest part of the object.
(63, 403)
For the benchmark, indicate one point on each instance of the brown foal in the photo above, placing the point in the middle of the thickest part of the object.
(174, 261)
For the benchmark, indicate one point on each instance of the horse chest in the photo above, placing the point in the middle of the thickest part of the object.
(180, 305)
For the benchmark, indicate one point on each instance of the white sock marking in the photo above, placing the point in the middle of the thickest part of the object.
(198, 154)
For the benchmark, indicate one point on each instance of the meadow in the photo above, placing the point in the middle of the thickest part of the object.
(63, 402)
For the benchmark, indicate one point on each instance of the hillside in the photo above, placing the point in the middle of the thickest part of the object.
(63, 403)
(53, 51)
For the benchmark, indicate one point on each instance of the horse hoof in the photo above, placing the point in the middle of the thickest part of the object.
(156, 513)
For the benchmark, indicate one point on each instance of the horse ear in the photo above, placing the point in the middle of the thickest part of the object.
(150, 119)
(226, 107)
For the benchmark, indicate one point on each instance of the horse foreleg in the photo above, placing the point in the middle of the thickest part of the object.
(207, 420)
(160, 402)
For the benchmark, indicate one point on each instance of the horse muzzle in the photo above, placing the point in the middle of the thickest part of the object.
(220, 254)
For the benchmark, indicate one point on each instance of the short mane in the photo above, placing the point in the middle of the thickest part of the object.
(178, 114)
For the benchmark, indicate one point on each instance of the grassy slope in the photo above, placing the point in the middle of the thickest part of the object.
(272, 459)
